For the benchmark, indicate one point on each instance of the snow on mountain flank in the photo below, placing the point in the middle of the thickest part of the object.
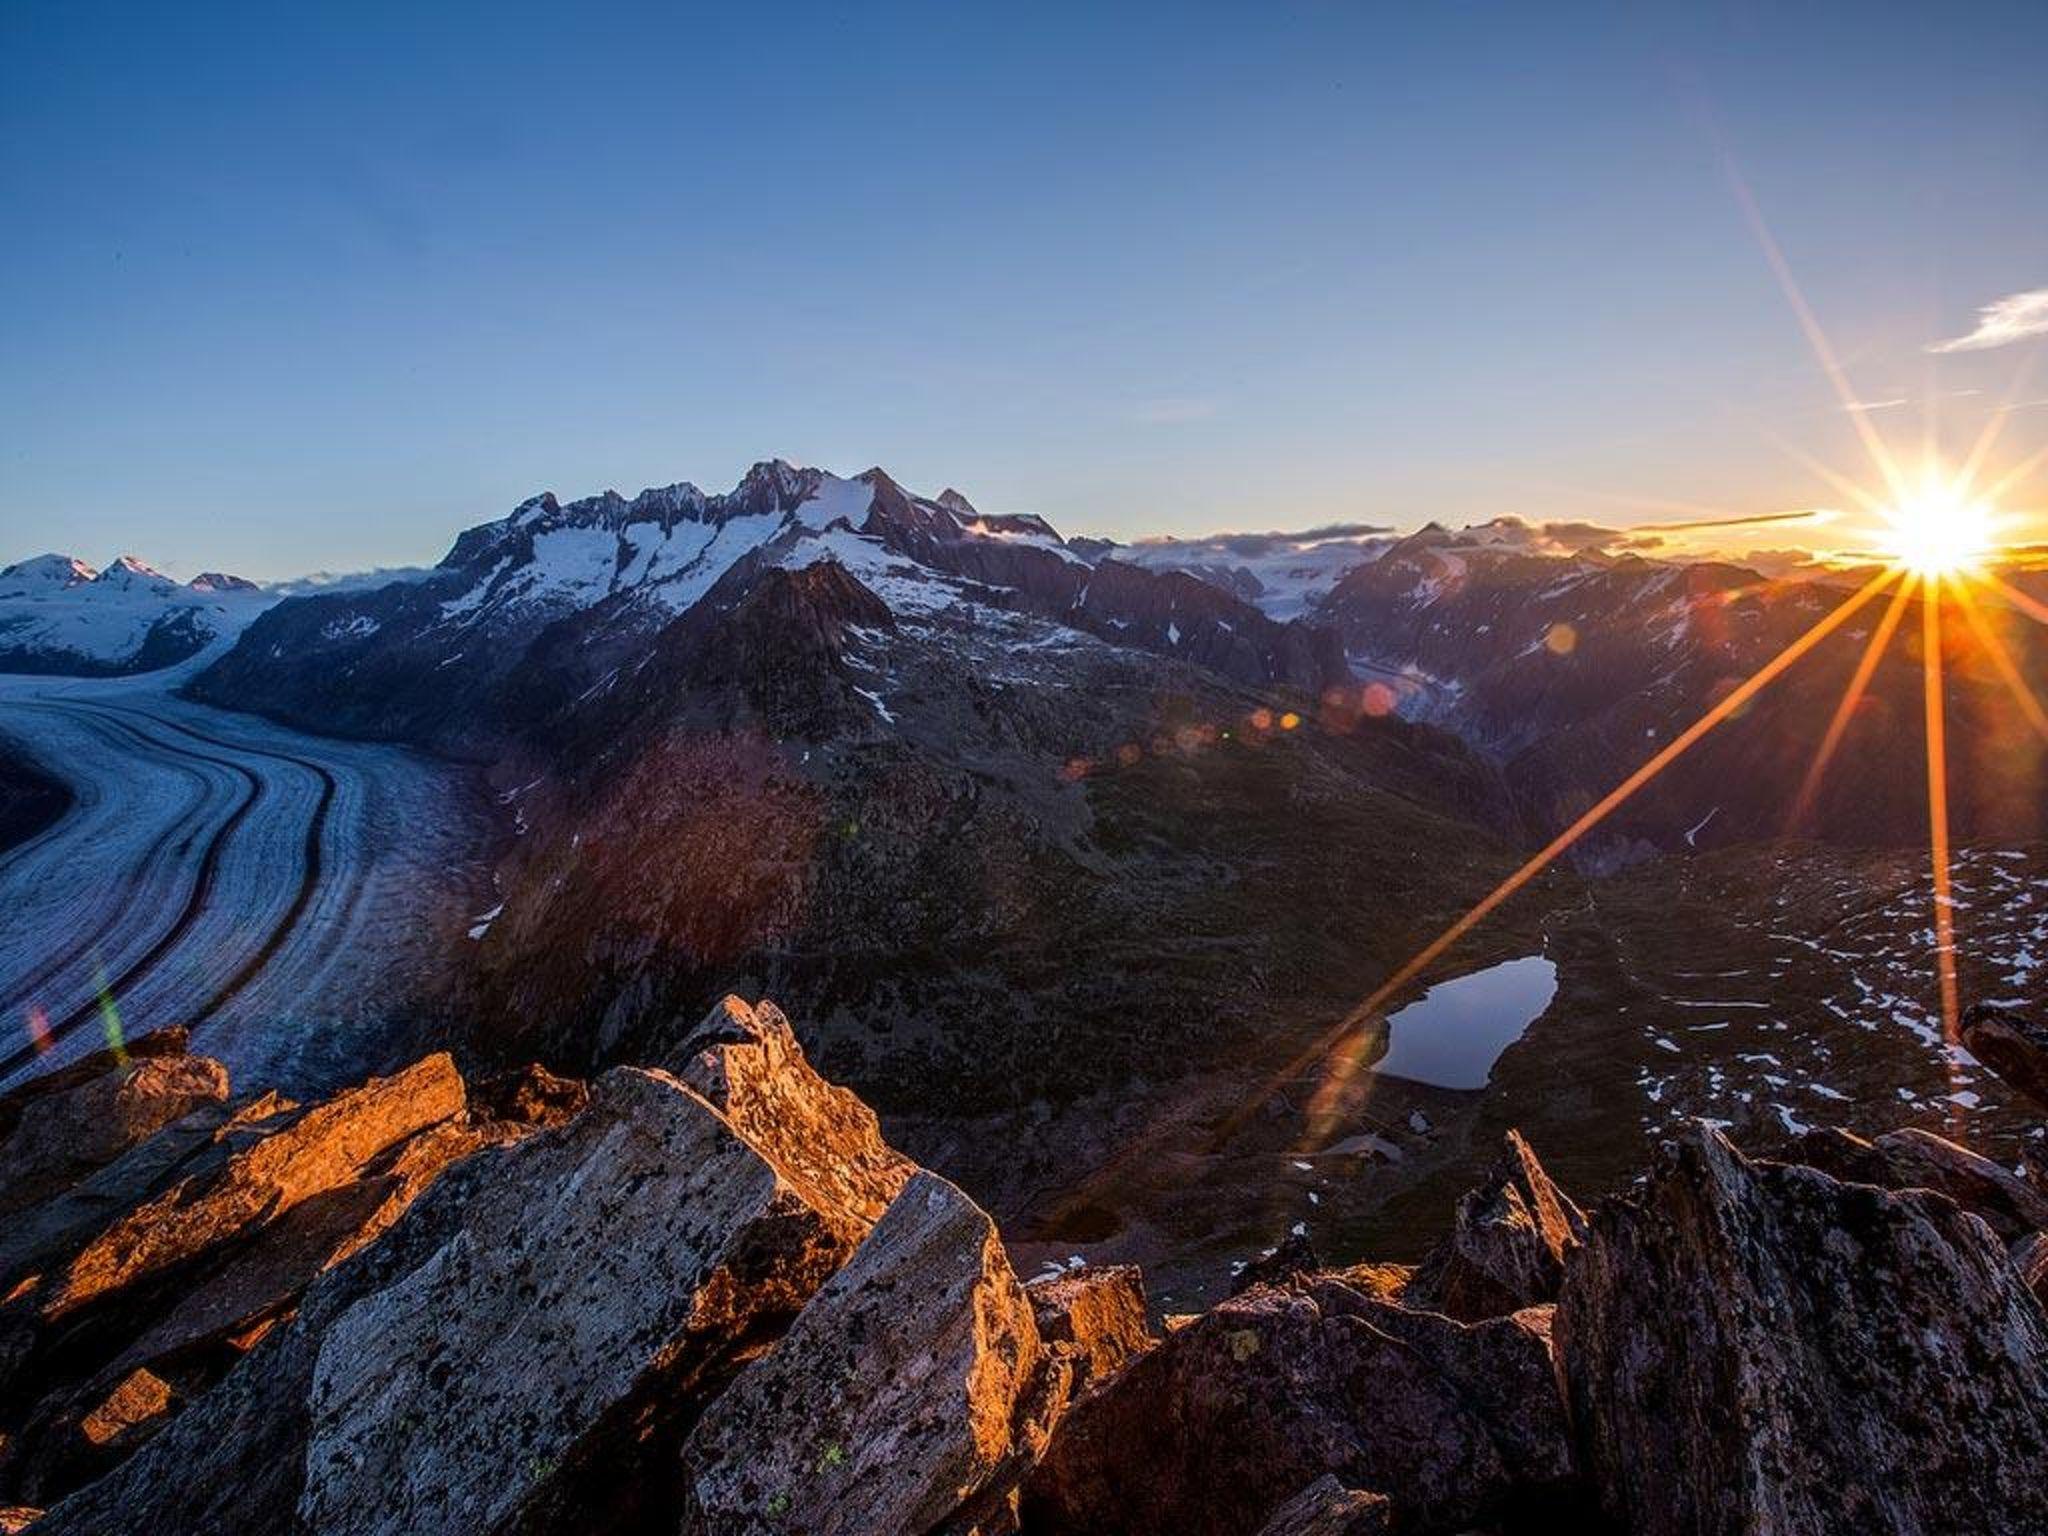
(59, 615)
(44, 573)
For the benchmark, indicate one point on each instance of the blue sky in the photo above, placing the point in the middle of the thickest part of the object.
(282, 293)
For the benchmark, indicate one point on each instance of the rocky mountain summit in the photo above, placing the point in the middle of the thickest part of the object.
(556, 599)
(706, 1296)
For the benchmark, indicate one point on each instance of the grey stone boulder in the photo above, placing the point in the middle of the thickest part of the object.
(1507, 1246)
(1764, 1349)
(1234, 1414)
(909, 1395)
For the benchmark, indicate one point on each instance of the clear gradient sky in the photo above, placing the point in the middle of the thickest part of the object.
(288, 292)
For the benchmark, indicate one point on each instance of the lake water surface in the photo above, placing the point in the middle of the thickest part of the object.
(1451, 1036)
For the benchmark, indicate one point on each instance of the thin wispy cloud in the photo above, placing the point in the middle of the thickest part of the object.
(1875, 405)
(1250, 545)
(316, 582)
(2016, 317)
(1743, 520)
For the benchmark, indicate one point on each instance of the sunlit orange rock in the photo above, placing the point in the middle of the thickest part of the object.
(324, 1149)
(56, 1130)
(1096, 1315)
(746, 1060)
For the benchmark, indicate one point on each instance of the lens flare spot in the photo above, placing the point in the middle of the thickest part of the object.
(1561, 640)
(110, 1024)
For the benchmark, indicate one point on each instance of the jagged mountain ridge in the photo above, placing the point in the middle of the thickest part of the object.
(590, 582)
(922, 827)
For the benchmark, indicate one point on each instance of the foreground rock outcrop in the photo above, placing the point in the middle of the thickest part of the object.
(1218, 1428)
(1759, 1347)
(710, 1298)
(642, 1309)
(2012, 1045)
(911, 1382)
(1508, 1243)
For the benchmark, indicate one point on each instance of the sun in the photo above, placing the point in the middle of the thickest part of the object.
(1939, 530)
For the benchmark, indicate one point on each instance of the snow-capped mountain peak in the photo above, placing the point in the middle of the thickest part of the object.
(44, 573)
(127, 571)
(59, 615)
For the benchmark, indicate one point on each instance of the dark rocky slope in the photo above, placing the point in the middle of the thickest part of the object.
(708, 1297)
(1571, 669)
(990, 868)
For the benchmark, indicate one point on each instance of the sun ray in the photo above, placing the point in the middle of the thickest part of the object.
(1834, 477)
(1852, 696)
(1937, 813)
(2002, 660)
(2031, 607)
(2015, 475)
(1816, 338)
(1994, 425)
(1729, 706)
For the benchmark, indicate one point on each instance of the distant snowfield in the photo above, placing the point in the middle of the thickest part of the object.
(277, 892)
(1283, 576)
(59, 614)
